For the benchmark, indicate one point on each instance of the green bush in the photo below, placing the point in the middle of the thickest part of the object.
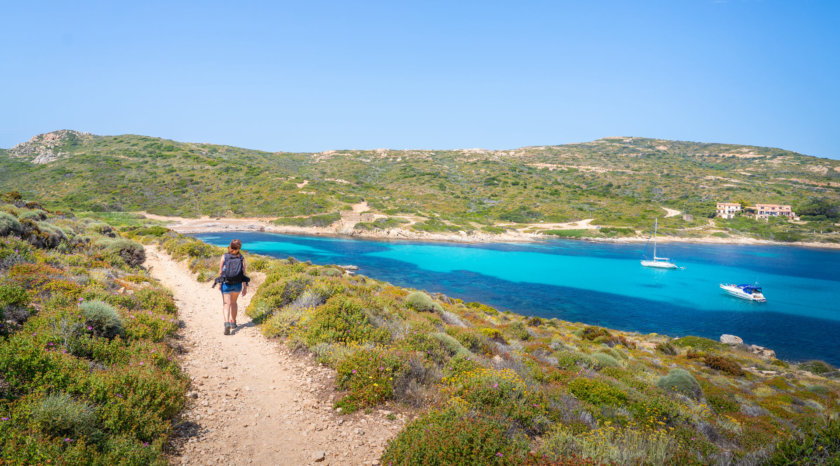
(518, 330)
(700, 343)
(62, 416)
(454, 437)
(130, 252)
(819, 444)
(422, 302)
(605, 360)
(596, 392)
(681, 381)
(723, 364)
(666, 348)
(816, 367)
(369, 376)
(342, 319)
(9, 225)
(102, 319)
(722, 404)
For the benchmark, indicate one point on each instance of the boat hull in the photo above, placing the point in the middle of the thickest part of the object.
(738, 293)
(659, 264)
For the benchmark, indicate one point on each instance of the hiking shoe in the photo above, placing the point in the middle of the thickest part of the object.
(227, 328)
(233, 325)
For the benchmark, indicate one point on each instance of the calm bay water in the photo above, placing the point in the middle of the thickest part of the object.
(604, 284)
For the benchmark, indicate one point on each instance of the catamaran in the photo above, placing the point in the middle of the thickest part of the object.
(748, 292)
(657, 262)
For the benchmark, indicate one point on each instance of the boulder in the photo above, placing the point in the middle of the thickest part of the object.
(762, 352)
(730, 339)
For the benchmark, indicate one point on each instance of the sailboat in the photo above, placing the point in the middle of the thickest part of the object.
(657, 262)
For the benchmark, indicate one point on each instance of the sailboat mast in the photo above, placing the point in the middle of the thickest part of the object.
(655, 226)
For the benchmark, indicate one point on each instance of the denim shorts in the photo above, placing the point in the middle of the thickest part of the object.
(237, 287)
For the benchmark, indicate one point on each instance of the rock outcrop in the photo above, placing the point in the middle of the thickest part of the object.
(730, 339)
(47, 147)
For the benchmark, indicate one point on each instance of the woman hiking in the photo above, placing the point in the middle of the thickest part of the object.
(233, 280)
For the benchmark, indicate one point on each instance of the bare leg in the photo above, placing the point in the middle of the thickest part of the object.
(233, 307)
(226, 307)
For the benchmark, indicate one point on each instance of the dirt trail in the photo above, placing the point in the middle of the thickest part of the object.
(252, 400)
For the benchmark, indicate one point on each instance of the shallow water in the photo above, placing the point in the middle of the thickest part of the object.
(604, 284)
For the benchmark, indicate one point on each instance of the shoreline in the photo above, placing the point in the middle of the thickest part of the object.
(257, 224)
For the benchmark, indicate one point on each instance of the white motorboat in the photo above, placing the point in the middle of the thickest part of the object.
(748, 292)
(657, 262)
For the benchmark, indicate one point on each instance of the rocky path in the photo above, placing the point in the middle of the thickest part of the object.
(252, 401)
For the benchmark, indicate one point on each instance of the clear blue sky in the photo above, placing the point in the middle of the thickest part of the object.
(315, 75)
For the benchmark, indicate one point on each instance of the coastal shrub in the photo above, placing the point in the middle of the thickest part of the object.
(482, 307)
(518, 330)
(9, 224)
(605, 360)
(722, 404)
(102, 319)
(666, 348)
(723, 364)
(130, 252)
(573, 360)
(599, 335)
(608, 445)
(501, 393)
(422, 302)
(342, 319)
(369, 377)
(14, 301)
(596, 392)
(156, 299)
(818, 444)
(681, 381)
(451, 345)
(700, 343)
(457, 437)
(61, 416)
(816, 367)
(470, 339)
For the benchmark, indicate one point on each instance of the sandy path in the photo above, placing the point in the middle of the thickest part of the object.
(252, 400)
(671, 212)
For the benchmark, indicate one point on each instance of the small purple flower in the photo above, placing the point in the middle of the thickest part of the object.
(90, 328)
(499, 454)
(118, 395)
(34, 334)
(145, 444)
(81, 299)
(4, 419)
(68, 439)
(141, 363)
(354, 371)
(495, 385)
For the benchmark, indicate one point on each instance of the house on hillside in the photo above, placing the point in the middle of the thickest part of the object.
(727, 209)
(773, 210)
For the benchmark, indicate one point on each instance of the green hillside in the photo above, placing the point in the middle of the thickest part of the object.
(618, 182)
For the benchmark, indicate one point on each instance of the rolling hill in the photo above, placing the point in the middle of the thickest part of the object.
(621, 182)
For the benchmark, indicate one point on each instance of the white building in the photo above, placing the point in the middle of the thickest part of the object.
(727, 209)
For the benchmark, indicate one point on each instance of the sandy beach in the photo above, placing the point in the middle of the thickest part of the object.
(346, 230)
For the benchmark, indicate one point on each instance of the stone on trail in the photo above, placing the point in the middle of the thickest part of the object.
(318, 456)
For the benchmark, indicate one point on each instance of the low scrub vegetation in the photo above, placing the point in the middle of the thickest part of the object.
(87, 374)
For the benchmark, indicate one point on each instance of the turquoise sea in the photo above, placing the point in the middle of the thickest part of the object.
(604, 284)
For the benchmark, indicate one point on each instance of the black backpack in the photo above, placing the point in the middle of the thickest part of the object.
(232, 270)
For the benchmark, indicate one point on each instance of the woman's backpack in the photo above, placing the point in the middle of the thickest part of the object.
(233, 269)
